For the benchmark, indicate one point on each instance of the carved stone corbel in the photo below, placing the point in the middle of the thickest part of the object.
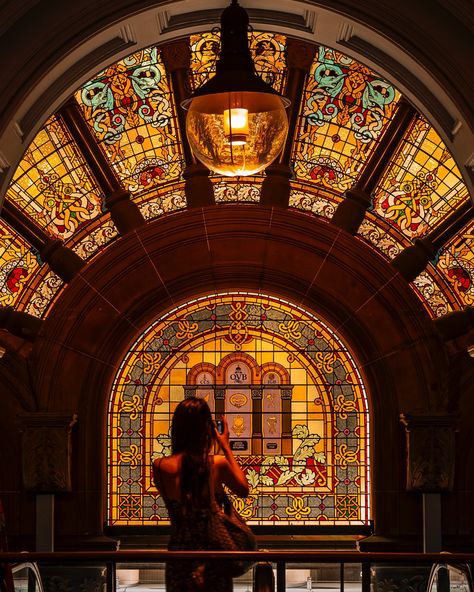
(46, 451)
(430, 451)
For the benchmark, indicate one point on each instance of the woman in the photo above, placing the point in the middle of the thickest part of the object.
(187, 480)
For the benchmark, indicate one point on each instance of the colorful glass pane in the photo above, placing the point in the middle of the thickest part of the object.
(456, 264)
(303, 196)
(53, 184)
(422, 183)
(267, 50)
(303, 446)
(131, 111)
(98, 236)
(380, 236)
(46, 289)
(169, 198)
(246, 189)
(345, 109)
(433, 293)
(18, 264)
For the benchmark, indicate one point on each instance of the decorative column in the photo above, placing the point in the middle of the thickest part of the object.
(62, 260)
(286, 436)
(257, 428)
(430, 467)
(124, 212)
(276, 185)
(46, 465)
(413, 260)
(350, 213)
(198, 187)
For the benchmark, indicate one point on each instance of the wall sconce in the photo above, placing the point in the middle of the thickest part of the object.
(236, 123)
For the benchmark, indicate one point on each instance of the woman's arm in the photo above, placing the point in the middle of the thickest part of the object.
(229, 471)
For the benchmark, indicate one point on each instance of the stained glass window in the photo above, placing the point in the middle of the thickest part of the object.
(130, 108)
(291, 391)
(431, 290)
(18, 264)
(43, 293)
(243, 189)
(53, 185)
(345, 109)
(99, 235)
(267, 50)
(456, 264)
(304, 196)
(166, 199)
(421, 185)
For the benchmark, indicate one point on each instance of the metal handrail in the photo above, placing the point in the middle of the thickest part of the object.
(275, 556)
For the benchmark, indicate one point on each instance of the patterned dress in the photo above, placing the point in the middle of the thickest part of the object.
(191, 534)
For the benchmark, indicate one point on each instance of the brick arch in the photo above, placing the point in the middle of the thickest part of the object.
(357, 292)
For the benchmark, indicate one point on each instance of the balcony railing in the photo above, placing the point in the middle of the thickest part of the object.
(295, 570)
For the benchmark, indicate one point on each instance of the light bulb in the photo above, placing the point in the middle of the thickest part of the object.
(236, 126)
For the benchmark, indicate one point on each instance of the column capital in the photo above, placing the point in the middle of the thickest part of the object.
(430, 441)
(62, 260)
(46, 450)
(413, 260)
(176, 55)
(300, 54)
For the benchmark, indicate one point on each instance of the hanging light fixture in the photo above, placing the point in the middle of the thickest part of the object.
(236, 123)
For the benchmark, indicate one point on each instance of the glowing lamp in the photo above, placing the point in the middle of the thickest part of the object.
(236, 123)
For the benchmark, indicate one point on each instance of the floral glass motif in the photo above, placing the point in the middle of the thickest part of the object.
(46, 288)
(166, 199)
(53, 184)
(240, 189)
(422, 184)
(99, 235)
(345, 109)
(279, 359)
(318, 201)
(431, 288)
(456, 264)
(130, 109)
(18, 265)
(267, 50)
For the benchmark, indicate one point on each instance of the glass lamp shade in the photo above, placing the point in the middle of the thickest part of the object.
(236, 133)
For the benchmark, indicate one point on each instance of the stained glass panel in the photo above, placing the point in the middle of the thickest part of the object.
(432, 291)
(456, 264)
(345, 109)
(267, 50)
(245, 352)
(53, 185)
(303, 196)
(242, 189)
(131, 111)
(18, 264)
(169, 198)
(422, 184)
(43, 293)
(98, 236)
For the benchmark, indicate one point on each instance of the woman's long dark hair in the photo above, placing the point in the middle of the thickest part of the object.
(192, 435)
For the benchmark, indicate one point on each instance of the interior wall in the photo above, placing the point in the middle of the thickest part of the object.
(236, 247)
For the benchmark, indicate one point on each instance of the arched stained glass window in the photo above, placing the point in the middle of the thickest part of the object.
(131, 111)
(290, 388)
(345, 108)
(53, 184)
(422, 184)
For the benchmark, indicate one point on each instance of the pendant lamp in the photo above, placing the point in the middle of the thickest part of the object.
(236, 123)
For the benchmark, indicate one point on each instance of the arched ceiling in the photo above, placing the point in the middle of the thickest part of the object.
(129, 109)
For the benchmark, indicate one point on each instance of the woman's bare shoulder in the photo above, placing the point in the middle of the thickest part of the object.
(168, 464)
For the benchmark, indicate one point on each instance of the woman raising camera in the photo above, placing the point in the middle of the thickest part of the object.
(188, 480)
